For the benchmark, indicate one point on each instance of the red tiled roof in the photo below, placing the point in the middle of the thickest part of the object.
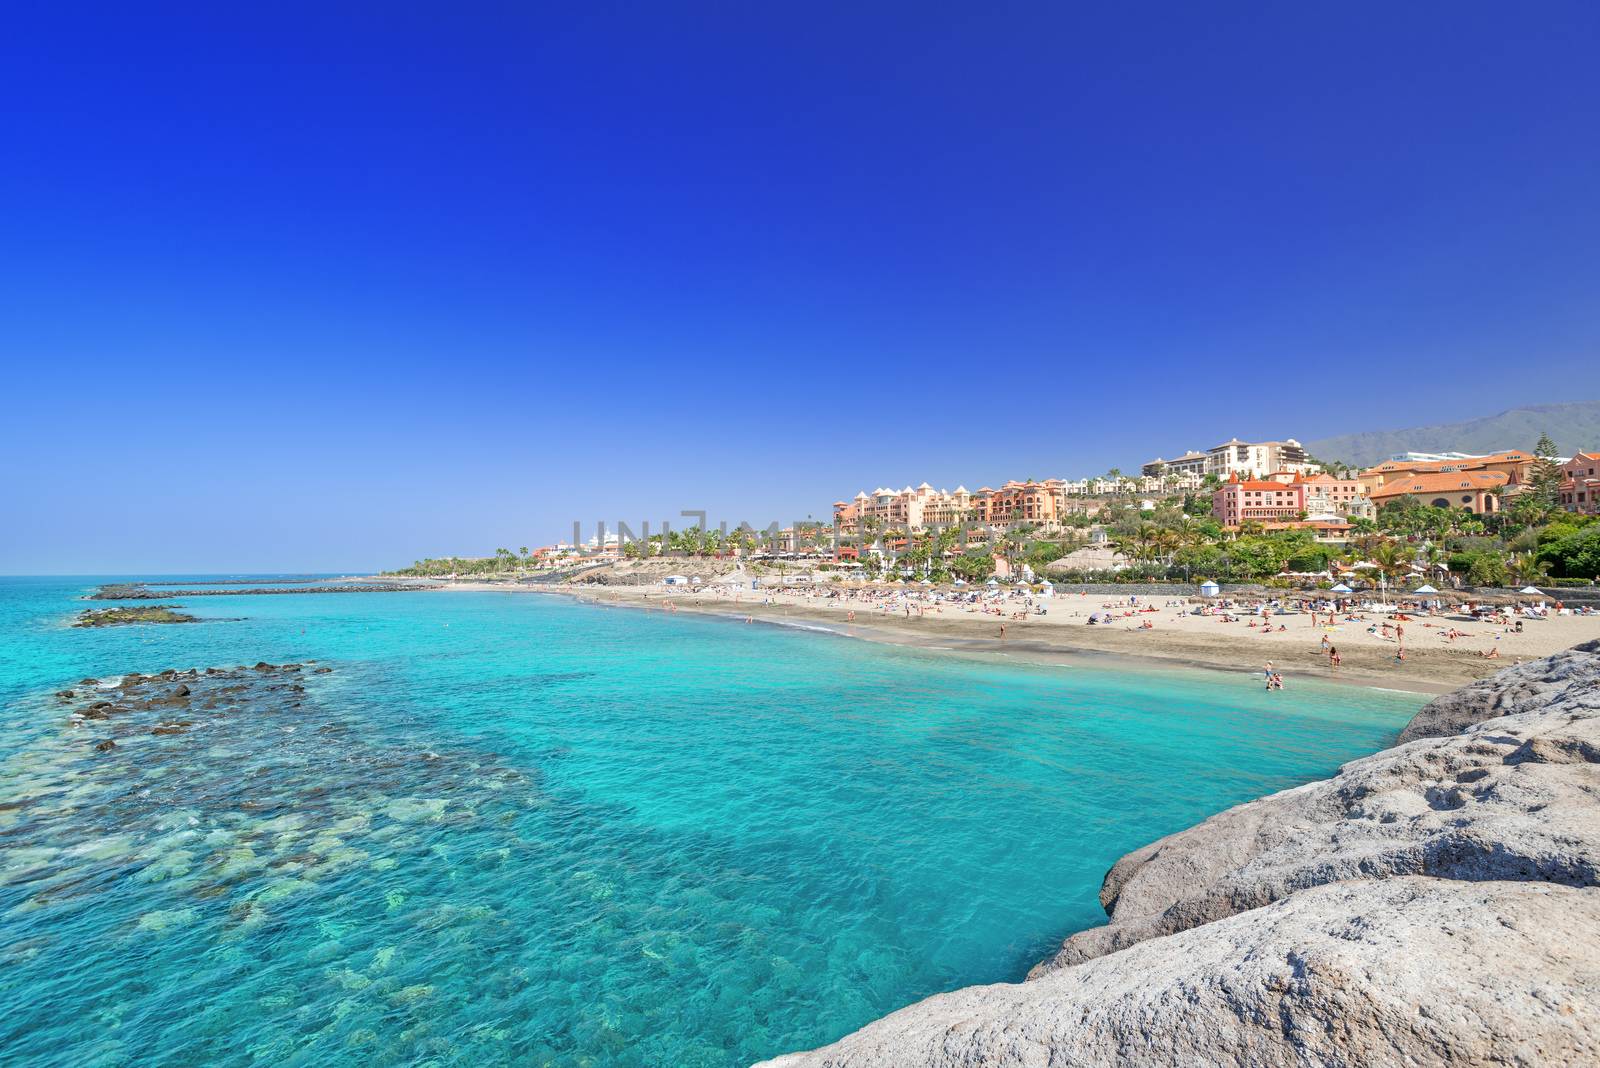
(1251, 484)
(1441, 482)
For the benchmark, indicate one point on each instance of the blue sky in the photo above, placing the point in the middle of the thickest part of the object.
(292, 287)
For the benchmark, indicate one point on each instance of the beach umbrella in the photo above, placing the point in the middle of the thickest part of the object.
(992, 582)
(1341, 588)
(1426, 589)
(1533, 591)
(959, 582)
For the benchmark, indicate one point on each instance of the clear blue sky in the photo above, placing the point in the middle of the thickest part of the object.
(282, 288)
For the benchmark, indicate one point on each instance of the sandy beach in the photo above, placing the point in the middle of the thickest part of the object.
(1434, 662)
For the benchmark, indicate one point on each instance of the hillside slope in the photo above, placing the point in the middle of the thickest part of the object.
(1571, 426)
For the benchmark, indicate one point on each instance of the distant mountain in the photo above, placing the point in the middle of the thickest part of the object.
(1570, 426)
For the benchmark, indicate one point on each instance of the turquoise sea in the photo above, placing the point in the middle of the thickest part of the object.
(514, 829)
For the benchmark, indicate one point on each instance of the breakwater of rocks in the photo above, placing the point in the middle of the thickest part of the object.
(141, 592)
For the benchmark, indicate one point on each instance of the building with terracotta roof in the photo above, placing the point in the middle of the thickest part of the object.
(1240, 501)
(1513, 463)
(1021, 502)
(1580, 484)
(1044, 502)
(1476, 491)
(1328, 495)
(1335, 531)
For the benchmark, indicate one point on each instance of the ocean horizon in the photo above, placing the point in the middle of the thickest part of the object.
(512, 829)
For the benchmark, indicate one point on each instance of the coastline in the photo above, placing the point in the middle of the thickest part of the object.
(1426, 671)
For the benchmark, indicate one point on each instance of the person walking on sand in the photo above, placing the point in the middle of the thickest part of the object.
(1002, 630)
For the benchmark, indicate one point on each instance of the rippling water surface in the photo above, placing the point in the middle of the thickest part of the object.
(510, 829)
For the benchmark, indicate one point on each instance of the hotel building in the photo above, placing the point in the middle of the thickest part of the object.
(1514, 464)
(1256, 459)
(1326, 495)
(1240, 501)
(1246, 459)
(1043, 502)
(1580, 484)
(1190, 465)
(1476, 491)
(906, 508)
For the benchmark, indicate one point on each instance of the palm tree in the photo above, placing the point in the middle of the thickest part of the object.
(1392, 560)
(1166, 542)
(1529, 569)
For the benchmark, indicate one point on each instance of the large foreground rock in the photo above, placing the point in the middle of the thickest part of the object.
(1406, 971)
(1511, 798)
(1518, 689)
(1434, 903)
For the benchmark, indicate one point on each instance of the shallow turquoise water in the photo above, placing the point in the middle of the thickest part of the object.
(511, 829)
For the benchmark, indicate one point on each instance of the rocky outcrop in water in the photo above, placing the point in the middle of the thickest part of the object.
(1435, 903)
(138, 591)
(115, 617)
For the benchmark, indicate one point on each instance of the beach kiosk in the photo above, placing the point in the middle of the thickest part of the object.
(1209, 588)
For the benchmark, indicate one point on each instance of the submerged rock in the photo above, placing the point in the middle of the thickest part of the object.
(413, 809)
(163, 919)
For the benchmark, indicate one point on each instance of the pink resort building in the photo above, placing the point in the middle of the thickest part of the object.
(1239, 501)
(1580, 484)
